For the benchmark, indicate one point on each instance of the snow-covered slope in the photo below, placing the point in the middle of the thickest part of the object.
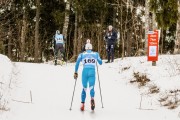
(45, 91)
(6, 69)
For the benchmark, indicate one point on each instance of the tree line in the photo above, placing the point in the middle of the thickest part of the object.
(27, 26)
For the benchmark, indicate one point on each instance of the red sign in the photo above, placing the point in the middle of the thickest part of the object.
(153, 45)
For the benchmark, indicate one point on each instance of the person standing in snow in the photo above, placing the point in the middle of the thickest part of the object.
(89, 59)
(59, 45)
(110, 37)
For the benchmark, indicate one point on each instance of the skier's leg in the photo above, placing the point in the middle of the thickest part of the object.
(91, 79)
(55, 53)
(91, 86)
(112, 53)
(108, 53)
(84, 84)
(62, 50)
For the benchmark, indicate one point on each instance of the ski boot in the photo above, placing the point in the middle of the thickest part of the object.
(55, 62)
(107, 61)
(82, 106)
(92, 104)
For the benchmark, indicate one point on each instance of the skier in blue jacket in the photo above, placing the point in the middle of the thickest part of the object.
(89, 59)
(59, 44)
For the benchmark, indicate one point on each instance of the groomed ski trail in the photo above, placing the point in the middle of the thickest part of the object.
(52, 87)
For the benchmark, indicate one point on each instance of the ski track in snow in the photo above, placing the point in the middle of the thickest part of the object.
(52, 87)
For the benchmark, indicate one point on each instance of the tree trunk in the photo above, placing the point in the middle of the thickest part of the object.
(10, 43)
(66, 22)
(36, 56)
(23, 35)
(122, 34)
(146, 23)
(75, 38)
(162, 41)
(79, 40)
(177, 41)
(66, 19)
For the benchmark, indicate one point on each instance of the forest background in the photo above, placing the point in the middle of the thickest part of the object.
(27, 26)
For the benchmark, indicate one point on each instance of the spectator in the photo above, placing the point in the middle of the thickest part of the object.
(110, 37)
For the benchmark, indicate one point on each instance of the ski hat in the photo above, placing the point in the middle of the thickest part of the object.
(88, 41)
(57, 32)
(88, 46)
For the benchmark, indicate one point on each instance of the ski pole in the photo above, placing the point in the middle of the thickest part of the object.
(66, 55)
(73, 94)
(99, 86)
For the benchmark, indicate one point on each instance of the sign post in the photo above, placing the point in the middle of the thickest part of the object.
(153, 46)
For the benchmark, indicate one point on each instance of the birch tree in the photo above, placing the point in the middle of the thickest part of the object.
(23, 33)
(177, 41)
(36, 50)
(66, 18)
(146, 23)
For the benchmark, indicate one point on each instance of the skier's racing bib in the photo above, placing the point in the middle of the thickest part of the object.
(89, 60)
(59, 38)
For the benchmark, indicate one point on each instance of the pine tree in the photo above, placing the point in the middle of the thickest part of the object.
(166, 15)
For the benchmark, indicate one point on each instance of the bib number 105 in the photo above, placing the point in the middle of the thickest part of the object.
(89, 61)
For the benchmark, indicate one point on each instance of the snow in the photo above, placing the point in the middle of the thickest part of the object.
(44, 91)
(6, 69)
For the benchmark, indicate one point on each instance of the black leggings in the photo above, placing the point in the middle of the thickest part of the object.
(110, 52)
(59, 47)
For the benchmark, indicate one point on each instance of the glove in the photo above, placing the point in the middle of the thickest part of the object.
(75, 75)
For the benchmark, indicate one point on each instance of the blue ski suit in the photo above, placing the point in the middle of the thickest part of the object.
(89, 59)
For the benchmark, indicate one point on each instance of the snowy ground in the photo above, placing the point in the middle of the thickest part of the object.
(44, 91)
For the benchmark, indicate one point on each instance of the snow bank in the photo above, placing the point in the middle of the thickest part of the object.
(164, 77)
(5, 81)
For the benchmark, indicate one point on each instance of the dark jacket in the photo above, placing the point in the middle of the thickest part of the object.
(111, 37)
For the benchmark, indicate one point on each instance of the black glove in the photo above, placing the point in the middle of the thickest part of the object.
(75, 75)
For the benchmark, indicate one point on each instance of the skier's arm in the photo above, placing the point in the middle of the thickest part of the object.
(77, 63)
(55, 38)
(99, 59)
(106, 36)
(53, 42)
(114, 36)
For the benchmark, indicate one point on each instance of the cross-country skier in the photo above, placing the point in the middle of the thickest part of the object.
(59, 44)
(89, 59)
